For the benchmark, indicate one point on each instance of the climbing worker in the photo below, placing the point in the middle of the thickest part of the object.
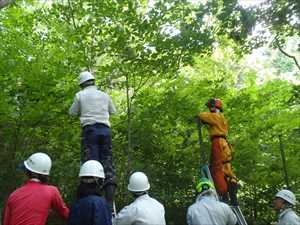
(94, 108)
(30, 204)
(220, 159)
(207, 209)
(283, 205)
(144, 210)
(90, 208)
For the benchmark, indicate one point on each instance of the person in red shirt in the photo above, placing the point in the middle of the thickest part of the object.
(30, 204)
(221, 151)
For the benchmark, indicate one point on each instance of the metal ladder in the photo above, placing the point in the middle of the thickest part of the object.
(114, 214)
(239, 215)
(236, 209)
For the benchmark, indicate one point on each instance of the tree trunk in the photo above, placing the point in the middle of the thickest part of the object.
(128, 125)
(4, 3)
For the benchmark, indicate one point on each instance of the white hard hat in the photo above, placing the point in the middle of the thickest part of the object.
(138, 182)
(38, 163)
(287, 196)
(92, 168)
(85, 76)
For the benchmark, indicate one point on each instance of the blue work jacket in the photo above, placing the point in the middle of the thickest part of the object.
(90, 210)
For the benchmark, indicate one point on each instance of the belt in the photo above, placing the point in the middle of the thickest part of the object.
(96, 125)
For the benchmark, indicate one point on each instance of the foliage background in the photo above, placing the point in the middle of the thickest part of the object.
(160, 63)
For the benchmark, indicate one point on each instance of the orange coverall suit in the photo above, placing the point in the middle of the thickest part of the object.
(220, 158)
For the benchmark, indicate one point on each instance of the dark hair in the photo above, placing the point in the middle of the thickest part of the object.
(40, 177)
(86, 189)
(87, 83)
(138, 194)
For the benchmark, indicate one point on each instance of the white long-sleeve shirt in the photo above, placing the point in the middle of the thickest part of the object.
(288, 217)
(207, 211)
(143, 211)
(93, 106)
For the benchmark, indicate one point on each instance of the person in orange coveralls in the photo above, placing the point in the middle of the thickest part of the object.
(220, 159)
(30, 204)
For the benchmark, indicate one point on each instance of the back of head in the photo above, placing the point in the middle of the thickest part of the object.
(214, 104)
(287, 196)
(138, 183)
(91, 169)
(204, 186)
(91, 178)
(85, 189)
(86, 78)
(39, 163)
(38, 166)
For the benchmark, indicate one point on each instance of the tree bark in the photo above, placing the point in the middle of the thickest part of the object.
(129, 123)
(286, 54)
(290, 56)
(4, 3)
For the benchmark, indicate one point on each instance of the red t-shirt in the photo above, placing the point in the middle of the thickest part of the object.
(30, 204)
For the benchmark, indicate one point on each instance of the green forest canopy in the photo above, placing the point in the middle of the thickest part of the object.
(160, 62)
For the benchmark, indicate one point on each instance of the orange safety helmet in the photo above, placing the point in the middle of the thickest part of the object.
(214, 103)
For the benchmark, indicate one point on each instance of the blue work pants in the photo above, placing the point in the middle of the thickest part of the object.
(97, 145)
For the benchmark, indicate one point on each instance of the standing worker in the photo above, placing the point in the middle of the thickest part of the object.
(94, 108)
(30, 204)
(283, 204)
(207, 210)
(90, 208)
(220, 159)
(144, 210)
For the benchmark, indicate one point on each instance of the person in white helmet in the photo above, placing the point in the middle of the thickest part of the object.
(30, 204)
(90, 208)
(94, 108)
(283, 204)
(144, 210)
(207, 210)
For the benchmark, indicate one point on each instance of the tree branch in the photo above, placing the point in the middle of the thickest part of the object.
(72, 15)
(286, 54)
